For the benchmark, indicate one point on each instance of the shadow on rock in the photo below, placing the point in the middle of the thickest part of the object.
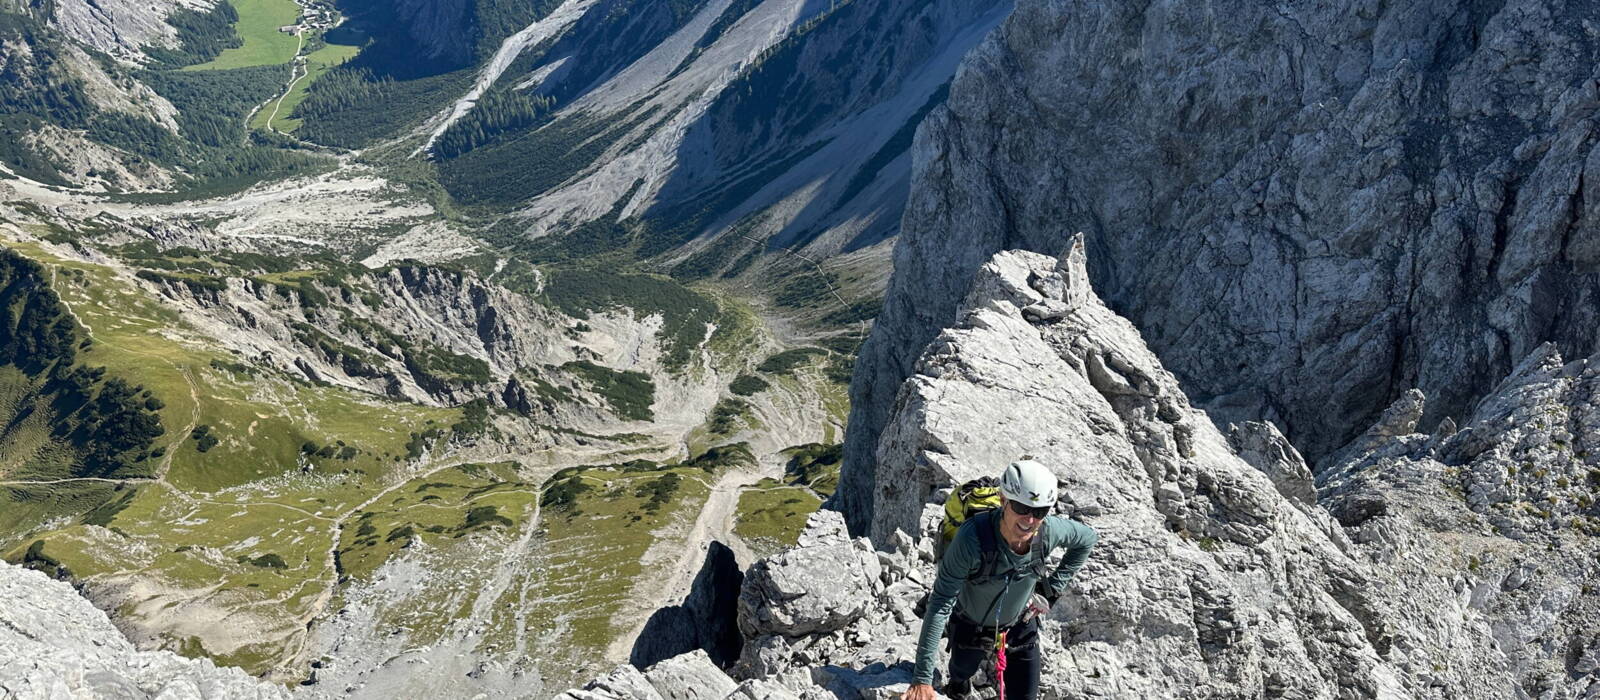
(705, 620)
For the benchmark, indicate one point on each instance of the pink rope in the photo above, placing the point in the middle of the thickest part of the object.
(1000, 665)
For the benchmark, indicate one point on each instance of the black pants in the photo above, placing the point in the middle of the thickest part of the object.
(970, 645)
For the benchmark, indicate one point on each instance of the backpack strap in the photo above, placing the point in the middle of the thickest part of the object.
(989, 548)
(988, 545)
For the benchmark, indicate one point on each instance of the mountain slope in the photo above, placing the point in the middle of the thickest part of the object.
(699, 135)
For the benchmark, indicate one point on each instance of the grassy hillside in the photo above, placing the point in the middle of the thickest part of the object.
(602, 523)
(773, 513)
(439, 507)
(771, 516)
(237, 506)
(64, 417)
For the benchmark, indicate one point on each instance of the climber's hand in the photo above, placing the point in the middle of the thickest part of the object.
(1037, 605)
(918, 691)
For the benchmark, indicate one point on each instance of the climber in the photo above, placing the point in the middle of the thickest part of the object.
(998, 592)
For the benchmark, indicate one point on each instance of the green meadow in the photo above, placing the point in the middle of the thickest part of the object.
(264, 45)
(317, 63)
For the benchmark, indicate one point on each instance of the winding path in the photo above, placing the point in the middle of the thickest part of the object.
(294, 77)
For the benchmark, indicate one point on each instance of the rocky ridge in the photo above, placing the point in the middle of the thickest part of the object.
(1300, 207)
(54, 644)
(1415, 568)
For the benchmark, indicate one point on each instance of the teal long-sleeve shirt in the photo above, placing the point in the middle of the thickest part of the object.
(1001, 599)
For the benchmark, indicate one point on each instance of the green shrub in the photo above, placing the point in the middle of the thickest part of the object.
(104, 514)
(35, 558)
(736, 454)
(815, 465)
(658, 490)
(562, 495)
(195, 283)
(442, 364)
(480, 516)
(629, 393)
(785, 362)
(267, 561)
(203, 438)
(748, 385)
(419, 442)
(728, 415)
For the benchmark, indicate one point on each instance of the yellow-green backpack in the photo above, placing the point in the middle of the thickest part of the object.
(974, 497)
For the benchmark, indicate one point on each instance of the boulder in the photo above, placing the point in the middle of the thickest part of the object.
(690, 676)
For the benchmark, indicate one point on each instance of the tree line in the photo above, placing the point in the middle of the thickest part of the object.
(496, 112)
(111, 424)
(201, 36)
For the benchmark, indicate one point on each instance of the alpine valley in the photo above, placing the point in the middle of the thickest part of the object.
(628, 348)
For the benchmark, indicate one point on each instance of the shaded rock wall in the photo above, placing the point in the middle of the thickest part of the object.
(704, 621)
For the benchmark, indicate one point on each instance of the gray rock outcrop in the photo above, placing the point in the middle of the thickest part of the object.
(623, 683)
(120, 28)
(1306, 209)
(1449, 564)
(808, 589)
(54, 644)
(1500, 518)
(689, 676)
(442, 29)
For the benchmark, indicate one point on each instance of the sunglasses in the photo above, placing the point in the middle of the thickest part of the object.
(1021, 509)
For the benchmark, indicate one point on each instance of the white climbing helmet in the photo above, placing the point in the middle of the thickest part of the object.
(1029, 482)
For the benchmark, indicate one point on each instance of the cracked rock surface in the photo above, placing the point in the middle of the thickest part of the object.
(55, 644)
(1307, 209)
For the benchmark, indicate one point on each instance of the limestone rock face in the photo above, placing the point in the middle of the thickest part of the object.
(1261, 445)
(1306, 209)
(808, 589)
(442, 29)
(1497, 525)
(707, 618)
(120, 28)
(1174, 601)
(689, 676)
(1451, 564)
(624, 683)
(54, 643)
